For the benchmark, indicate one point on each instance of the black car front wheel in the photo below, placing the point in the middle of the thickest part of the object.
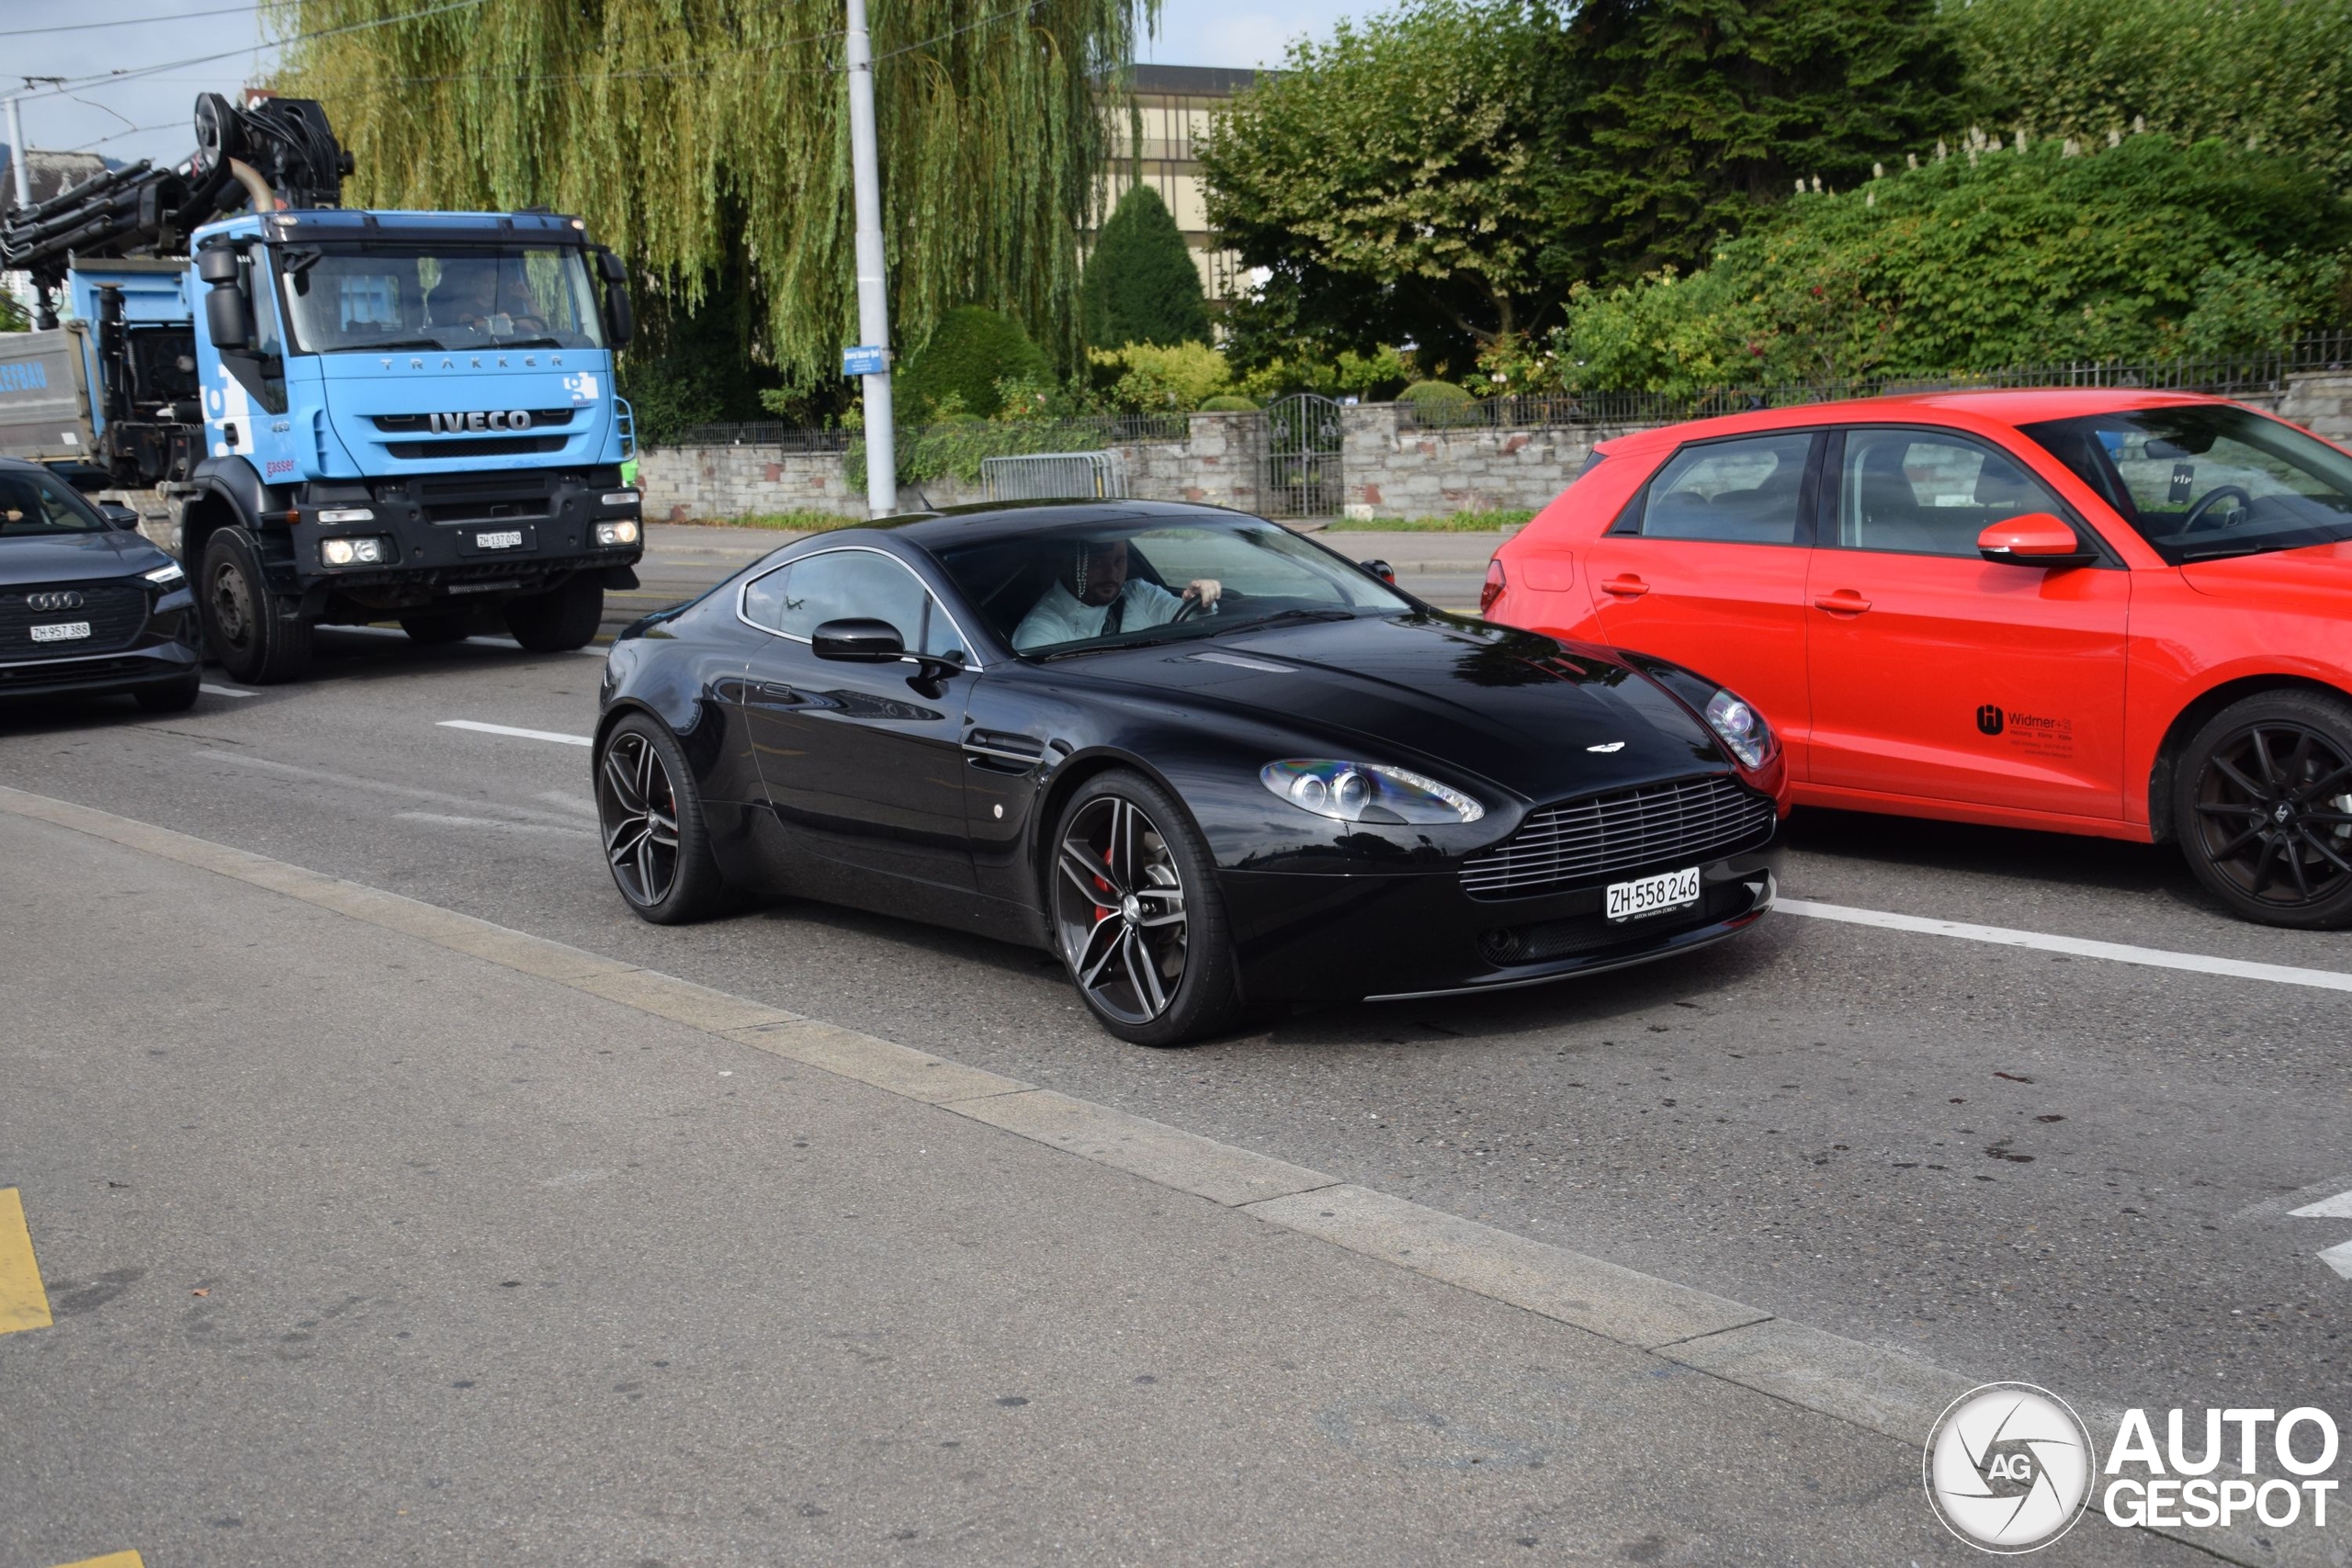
(2263, 809)
(657, 844)
(1137, 914)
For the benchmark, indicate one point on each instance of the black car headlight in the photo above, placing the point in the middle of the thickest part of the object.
(1741, 727)
(1367, 792)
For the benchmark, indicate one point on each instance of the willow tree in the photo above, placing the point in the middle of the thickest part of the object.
(688, 132)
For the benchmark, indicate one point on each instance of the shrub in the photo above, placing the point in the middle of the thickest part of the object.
(1228, 402)
(1428, 395)
(972, 349)
(1157, 380)
(1140, 285)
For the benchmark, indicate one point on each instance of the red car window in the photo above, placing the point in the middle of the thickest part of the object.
(1749, 490)
(1922, 493)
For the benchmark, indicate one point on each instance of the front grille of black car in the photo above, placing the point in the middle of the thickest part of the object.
(65, 670)
(1581, 841)
(1548, 940)
(115, 610)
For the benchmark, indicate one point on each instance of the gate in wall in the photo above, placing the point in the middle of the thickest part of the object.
(1301, 474)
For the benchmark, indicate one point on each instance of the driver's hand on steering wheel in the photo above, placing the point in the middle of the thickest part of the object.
(1203, 590)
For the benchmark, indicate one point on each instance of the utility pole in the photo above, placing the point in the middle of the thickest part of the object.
(873, 280)
(17, 154)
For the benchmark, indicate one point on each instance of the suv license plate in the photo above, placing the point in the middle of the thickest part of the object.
(1653, 895)
(505, 539)
(62, 631)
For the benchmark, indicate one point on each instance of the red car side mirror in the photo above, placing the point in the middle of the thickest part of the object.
(2033, 538)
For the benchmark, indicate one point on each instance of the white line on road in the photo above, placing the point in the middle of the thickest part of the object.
(2080, 947)
(556, 736)
(2336, 1208)
(2339, 1257)
(224, 691)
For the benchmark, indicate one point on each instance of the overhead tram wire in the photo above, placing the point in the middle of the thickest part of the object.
(134, 21)
(109, 78)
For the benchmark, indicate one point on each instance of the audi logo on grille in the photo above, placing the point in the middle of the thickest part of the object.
(46, 601)
(455, 423)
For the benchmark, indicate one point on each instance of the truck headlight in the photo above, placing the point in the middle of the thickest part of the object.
(621, 532)
(369, 551)
(1367, 792)
(1741, 727)
(347, 514)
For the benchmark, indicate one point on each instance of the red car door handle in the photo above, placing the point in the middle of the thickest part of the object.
(1845, 602)
(1625, 587)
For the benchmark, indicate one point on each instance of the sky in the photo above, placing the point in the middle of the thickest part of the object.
(150, 116)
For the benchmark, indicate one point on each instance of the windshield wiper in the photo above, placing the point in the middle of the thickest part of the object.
(1286, 618)
(501, 345)
(389, 342)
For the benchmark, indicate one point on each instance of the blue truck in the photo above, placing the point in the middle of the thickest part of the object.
(349, 416)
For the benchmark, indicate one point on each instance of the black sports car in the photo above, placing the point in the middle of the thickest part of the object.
(1207, 762)
(87, 607)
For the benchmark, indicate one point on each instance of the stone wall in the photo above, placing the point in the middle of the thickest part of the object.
(1388, 469)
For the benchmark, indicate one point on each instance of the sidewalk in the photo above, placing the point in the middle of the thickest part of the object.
(364, 1251)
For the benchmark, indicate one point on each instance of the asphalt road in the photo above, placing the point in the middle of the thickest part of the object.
(2013, 1163)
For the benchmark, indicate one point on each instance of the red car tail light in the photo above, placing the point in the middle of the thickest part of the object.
(1493, 588)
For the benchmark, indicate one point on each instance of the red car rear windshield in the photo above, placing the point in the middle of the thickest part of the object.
(2205, 480)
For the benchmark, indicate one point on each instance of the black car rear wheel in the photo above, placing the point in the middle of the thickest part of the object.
(1137, 914)
(2264, 808)
(657, 844)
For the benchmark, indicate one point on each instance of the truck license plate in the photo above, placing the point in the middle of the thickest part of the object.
(503, 539)
(1653, 895)
(62, 631)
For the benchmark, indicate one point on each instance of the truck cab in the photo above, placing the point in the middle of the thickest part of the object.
(401, 415)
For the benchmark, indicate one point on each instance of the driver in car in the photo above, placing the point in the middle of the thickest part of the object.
(1095, 597)
(476, 294)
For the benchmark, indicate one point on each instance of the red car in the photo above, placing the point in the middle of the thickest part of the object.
(2108, 612)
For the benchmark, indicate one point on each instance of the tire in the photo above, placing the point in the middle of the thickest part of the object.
(431, 630)
(177, 697)
(670, 883)
(2262, 806)
(559, 620)
(1144, 937)
(244, 627)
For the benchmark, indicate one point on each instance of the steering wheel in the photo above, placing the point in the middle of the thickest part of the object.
(1190, 609)
(2197, 514)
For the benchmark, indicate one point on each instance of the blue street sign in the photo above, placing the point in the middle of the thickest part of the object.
(864, 359)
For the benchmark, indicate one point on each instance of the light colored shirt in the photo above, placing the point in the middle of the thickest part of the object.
(1061, 616)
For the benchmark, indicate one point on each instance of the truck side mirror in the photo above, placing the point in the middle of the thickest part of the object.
(228, 320)
(620, 317)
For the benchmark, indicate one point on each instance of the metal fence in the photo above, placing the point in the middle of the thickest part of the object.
(2250, 375)
(1054, 475)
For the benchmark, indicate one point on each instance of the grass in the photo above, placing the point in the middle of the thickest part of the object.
(1453, 523)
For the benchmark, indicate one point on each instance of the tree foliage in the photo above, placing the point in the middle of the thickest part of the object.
(679, 128)
(1140, 285)
(961, 368)
(1145, 378)
(2277, 72)
(1991, 259)
(1391, 180)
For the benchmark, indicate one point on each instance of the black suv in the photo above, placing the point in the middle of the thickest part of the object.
(86, 604)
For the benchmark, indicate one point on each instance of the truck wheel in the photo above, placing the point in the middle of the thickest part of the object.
(431, 629)
(559, 620)
(242, 623)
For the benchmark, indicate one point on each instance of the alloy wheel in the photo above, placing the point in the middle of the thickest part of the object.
(2273, 814)
(1119, 907)
(639, 806)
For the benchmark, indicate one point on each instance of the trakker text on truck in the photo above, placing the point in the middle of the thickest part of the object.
(350, 416)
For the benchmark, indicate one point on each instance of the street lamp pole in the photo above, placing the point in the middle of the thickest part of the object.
(17, 154)
(873, 280)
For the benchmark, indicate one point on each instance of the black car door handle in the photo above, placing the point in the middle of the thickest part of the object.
(768, 690)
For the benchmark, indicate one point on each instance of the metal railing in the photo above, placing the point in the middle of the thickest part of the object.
(1054, 475)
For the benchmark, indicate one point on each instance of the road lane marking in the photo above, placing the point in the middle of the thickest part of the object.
(556, 736)
(112, 1559)
(2336, 1208)
(23, 1303)
(223, 691)
(2079, 947)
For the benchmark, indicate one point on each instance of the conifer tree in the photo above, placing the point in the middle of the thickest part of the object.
(1140, 285)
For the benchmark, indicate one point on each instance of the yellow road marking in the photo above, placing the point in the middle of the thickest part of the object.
(112, 1559)
(23, 1303)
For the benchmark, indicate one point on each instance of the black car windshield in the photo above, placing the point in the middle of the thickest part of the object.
(2204, 481)
(352, 297)
(1062, 590)
(35, 503)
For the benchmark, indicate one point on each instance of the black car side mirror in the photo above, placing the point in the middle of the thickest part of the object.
(118, 516)
(856, 641)
(1381, 570)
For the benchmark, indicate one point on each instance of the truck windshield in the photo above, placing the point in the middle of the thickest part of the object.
(35, 503)
(353, 299)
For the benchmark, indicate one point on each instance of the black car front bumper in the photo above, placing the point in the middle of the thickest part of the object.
(163, 653)
(1302, 937)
